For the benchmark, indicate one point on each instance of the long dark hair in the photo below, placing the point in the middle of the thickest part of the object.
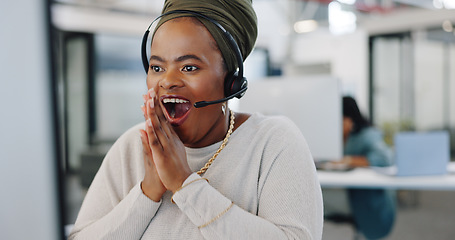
(351, 110)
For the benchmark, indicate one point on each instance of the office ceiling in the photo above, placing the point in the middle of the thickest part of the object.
(272, 14)
(363, 6)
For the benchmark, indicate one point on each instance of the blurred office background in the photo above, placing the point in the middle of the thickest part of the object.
(396, 57)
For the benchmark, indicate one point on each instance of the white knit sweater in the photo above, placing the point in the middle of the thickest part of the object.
(266, 169)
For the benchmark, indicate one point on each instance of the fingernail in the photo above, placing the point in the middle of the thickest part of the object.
(152, 93)
(149, 122)
(151, 103)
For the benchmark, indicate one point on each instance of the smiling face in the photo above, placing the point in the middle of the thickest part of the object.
(186, 67)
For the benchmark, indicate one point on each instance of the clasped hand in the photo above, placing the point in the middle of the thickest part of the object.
(165, 163)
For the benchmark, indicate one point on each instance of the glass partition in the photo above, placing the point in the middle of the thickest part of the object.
(413, 82)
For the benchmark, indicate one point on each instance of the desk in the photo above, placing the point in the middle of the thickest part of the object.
(368, 178)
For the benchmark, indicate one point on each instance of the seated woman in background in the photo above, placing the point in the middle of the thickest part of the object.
(208, 172)
(373, 210)
(363, 144)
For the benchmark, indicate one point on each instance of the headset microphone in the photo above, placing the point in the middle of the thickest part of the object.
(238, 94)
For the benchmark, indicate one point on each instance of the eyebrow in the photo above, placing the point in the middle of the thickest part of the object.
(188, 56)
(154, 57)
(179, 59)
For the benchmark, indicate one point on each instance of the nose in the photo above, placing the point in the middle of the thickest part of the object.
(171, 80)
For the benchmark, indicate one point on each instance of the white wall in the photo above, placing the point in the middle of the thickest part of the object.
(387, 75)
(429, 85)
(346, 55)
(452, 88)
(28, 202)
(350, 64)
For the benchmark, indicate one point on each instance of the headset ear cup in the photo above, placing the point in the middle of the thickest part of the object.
(243, 86)
(234, 85)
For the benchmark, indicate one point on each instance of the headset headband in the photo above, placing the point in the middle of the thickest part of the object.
(228, 36)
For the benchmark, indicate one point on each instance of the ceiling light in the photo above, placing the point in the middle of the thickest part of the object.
(341, 21)
(350, 2)
(447, 26)
(449, 4)
(437, 4)
(305, 26)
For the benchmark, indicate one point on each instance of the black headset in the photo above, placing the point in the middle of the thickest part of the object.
(235, 84)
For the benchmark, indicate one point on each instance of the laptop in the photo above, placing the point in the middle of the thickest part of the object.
(420, 153)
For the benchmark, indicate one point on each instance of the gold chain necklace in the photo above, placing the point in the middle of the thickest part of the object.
(223, 144)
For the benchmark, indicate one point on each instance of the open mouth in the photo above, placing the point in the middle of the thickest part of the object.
(177, 109)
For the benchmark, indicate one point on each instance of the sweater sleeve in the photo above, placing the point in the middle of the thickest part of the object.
(203, 204)
(290, 199)
(115, 206)
(378, 153)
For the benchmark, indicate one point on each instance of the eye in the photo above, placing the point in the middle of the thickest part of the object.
(156, 68)
(189, 68)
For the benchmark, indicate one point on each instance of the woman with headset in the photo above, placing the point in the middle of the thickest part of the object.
(195, 169)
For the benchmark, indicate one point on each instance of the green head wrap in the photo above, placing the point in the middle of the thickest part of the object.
(236, 16)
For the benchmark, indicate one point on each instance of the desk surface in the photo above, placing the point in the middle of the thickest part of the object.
(368, 178)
